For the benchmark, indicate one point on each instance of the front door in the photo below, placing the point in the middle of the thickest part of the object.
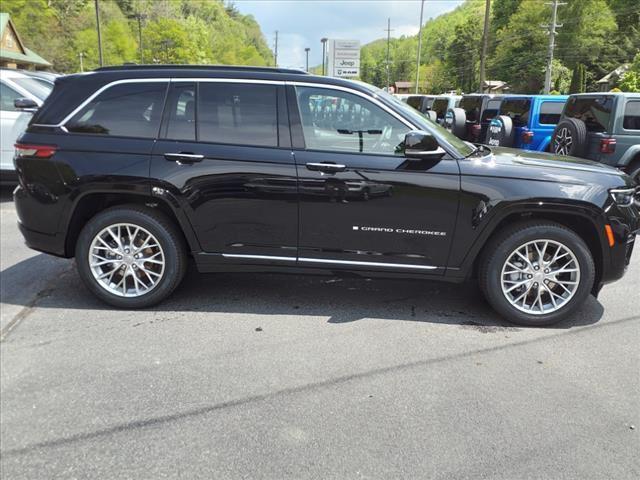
(224, 151)
(363, 205)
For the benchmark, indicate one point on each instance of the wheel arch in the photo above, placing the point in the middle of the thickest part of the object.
(90, 204)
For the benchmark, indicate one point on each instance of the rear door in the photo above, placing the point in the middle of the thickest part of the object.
(224, 152)
(362, 204)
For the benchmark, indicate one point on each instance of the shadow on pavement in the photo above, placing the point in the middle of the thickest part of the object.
(6, 194)
(339, 298)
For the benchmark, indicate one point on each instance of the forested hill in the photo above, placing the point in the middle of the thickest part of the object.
(173, 31)
(597, 34)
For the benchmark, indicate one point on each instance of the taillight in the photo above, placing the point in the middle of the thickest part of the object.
(527, 136)
(607, 145)
(37, 151)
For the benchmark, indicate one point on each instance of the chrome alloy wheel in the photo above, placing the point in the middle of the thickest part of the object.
(563, 141)
(126, 260)
(540, 277)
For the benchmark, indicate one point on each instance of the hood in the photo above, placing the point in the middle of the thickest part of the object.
(512, 163)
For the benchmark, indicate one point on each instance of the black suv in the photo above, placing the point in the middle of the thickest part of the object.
(136, 170)
(470, 120)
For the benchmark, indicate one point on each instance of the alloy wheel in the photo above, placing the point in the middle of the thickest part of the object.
(563, 141)
(540, 277)
(126, 260)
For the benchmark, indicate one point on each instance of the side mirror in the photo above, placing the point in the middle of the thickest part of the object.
(419, 145)
(25, 104)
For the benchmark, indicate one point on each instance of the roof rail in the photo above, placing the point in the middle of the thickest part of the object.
(133, 66)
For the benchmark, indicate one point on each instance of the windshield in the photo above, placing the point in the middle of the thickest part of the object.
(423, 121)
(34, 87)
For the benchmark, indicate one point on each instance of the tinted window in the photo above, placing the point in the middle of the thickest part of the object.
(593, 111)
(415, 102)
(339, 121)
(632, 116)
(34, 87)
(126, 110)
(236, 113)
(180, 113)
(471, 105)
(493, 106)
(517, 110)
(7, 97)
(440, 106)
(550, 112)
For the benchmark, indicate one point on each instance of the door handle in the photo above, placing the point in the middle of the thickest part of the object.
(326, 167)
(183, 157)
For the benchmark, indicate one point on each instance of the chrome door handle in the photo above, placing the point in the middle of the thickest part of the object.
(183, 157)
(326, 167)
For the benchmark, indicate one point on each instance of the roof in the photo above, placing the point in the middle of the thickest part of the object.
(29, 56)
(129, 67)
(616, 73)
(404, 84)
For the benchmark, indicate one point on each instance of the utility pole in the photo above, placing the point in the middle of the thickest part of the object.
(276, 51)
(552, 42)
(324, 53)
(485, 41)
(388, 30)
(99, 36)
(306, 50)
(139, 17)
(419, 46)
(81, 55)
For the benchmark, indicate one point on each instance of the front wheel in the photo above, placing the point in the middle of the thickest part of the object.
(537, 273)
(130, 256)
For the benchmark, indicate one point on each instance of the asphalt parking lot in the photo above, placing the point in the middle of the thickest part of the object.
(271, 376)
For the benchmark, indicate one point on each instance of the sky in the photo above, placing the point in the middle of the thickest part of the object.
(302, 23)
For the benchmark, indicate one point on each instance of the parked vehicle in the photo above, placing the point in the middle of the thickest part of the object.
(15, 85)
(470, 121)
(604, 127)
(46, 78)
(136, 170)
(402, 96)
(422, 103)
(526, 121)
(442, 104)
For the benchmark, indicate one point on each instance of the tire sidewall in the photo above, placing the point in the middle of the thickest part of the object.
(493, 287)
(578, 131)
(173, 253)
(500, 132)
(455, 121)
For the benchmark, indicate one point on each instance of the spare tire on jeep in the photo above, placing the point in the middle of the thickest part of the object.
(431, 115)
(455, 120)
(569, 138)
(500, 132)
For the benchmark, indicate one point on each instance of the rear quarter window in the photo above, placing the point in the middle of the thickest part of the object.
(517, 110)
(550, 112)
(415, 102)
(595, 112)
(125, 110)
(472, 106)
(631, 119)
(440, 106)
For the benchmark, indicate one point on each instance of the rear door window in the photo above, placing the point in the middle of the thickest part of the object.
(595, 112)
(632, 115)
(180, 113)
(493, 106)
(238, 113)
(125, 110)
(550, 112)
(471, 106)
(518, 110)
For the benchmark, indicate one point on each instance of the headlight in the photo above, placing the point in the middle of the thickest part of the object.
(623, 196)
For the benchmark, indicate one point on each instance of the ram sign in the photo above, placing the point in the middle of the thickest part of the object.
(343, 58)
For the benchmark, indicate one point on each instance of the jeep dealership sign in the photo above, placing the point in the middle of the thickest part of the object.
(343, 58)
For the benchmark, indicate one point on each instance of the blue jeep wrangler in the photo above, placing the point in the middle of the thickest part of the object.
(526, 121)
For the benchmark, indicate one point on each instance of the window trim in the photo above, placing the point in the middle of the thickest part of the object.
(624, 110)
(542, 102)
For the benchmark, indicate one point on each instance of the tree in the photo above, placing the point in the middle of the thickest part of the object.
(630, 81)
(578, 80)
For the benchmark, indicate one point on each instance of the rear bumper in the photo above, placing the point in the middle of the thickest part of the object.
(52, 244)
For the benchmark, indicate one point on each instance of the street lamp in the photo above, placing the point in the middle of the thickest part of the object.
(324, 54)
(306, 50)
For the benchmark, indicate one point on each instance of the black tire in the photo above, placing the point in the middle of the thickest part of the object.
(167, 235)
(455, 121)
(498, 251)
(500, 132)
(634, 171)
(431, 115)
(570, 138)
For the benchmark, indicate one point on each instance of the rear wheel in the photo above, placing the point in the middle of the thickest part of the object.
(130, 256)
(536, 273)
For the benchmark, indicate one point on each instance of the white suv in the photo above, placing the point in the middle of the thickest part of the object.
(14, 85)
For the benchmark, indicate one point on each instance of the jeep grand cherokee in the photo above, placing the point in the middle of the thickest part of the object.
(135, 170)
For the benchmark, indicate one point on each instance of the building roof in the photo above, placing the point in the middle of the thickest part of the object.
(28, 56)
(404, 84)
(616, 73)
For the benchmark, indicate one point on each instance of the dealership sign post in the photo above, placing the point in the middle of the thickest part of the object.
(344, 58)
